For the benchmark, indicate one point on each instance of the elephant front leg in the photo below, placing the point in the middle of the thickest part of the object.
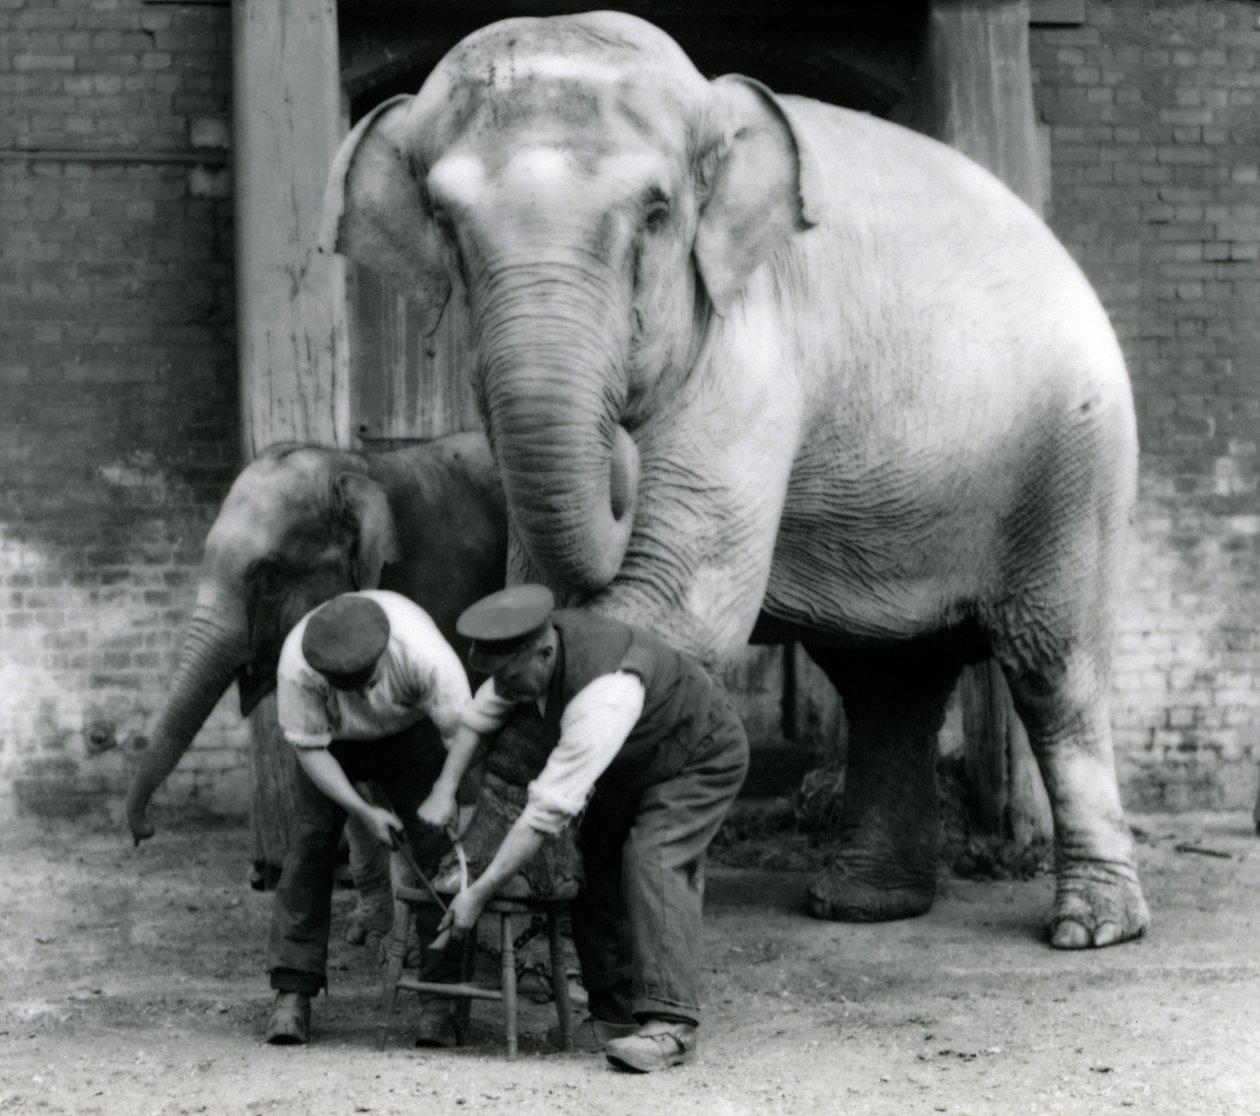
(1098, 899)
(372, 919)
(885, 861)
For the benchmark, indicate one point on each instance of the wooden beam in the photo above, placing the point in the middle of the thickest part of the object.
(291, 319)
(980, 88)
(979, 100)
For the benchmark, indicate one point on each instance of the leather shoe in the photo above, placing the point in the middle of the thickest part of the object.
(290, 1022)
(657, 1045)
(591, 1035)
(438, 1025)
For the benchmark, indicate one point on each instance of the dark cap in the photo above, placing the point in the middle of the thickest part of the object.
(504, 623)
(344, 638)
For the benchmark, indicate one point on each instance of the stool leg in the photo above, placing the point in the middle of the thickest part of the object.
(509, 983)
(467, 970)
(559, 980)
(395, 958)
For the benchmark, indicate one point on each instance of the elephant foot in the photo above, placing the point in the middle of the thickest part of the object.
(1091, 913)
(364, 926)
(842, 894)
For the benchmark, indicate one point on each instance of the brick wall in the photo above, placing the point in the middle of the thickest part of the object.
(1154, 117)
(118, 426)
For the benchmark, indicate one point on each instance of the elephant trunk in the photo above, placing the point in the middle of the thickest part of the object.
(553, 390)
(215, 647)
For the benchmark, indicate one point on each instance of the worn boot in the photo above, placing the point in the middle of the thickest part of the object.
(658, 1044)
(591, 1035)
(290, 1022)
(439, 1024)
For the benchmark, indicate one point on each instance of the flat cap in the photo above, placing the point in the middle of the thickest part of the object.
(344, 638)
(504, 622)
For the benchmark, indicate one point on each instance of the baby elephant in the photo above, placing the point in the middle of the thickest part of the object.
(301, 525)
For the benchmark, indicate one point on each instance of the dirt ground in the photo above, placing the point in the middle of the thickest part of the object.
(133, 983)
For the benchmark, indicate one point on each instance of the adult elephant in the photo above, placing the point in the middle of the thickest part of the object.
(736, 350)
(301, 525)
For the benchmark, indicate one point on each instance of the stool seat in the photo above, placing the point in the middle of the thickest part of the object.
(517, 887)
(515, 891)
(505, 905)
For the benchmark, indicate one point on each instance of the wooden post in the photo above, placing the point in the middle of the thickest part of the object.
(291, 321)
(978, 99)
(979, 89)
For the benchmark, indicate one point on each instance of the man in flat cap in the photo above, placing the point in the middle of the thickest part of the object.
(354, 676)
(648, 746)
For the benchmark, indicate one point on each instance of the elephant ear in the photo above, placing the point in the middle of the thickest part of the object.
(763, 184)
(363, 509)
(374, 211)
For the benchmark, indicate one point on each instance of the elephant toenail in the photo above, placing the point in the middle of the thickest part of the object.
(1108, 933)
(1070, 935)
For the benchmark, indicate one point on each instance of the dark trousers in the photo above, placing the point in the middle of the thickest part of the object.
(405, 770)
(637, 922)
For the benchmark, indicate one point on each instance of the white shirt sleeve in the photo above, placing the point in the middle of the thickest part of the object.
(486, 711)
(300, 709)
(440, 684)
(593, 728)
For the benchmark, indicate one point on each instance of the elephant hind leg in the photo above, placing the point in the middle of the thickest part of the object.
(884, 865)
(1050, 627)
(1059, 686)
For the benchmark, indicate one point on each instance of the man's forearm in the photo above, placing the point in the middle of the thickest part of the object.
(517, 850)
(459, 755)
(329, 776)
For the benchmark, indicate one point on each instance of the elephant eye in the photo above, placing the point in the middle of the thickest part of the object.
(656, 211)
(436, 210)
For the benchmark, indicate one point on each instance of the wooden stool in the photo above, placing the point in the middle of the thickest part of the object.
(409, 897)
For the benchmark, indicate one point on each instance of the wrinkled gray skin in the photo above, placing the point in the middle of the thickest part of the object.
(739, 351)
(301, 525)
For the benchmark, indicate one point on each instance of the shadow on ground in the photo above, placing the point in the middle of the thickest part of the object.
(132, 983)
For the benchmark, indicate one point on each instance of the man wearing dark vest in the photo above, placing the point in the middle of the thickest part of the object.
(647, 745)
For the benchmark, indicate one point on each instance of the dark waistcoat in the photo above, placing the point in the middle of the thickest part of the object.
(676, 706)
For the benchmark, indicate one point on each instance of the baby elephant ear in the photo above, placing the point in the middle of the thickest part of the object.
(374, 211)
(763, 185)
(363, 509)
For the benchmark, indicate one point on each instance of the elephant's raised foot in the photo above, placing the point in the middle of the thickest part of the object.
(841, 895)
(1094, 913)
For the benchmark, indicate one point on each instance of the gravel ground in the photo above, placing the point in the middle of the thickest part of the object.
(133, 983)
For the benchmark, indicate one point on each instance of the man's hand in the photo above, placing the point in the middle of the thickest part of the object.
(384, 826)
(439, 810)
(462, 914)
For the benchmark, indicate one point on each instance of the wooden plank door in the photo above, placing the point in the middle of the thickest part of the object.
(406, 387)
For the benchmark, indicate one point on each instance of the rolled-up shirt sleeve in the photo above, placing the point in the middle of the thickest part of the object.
(486, 711)
(593, 728)
(302, 715)
(444, 685)
(308, 740)
(301, 711)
